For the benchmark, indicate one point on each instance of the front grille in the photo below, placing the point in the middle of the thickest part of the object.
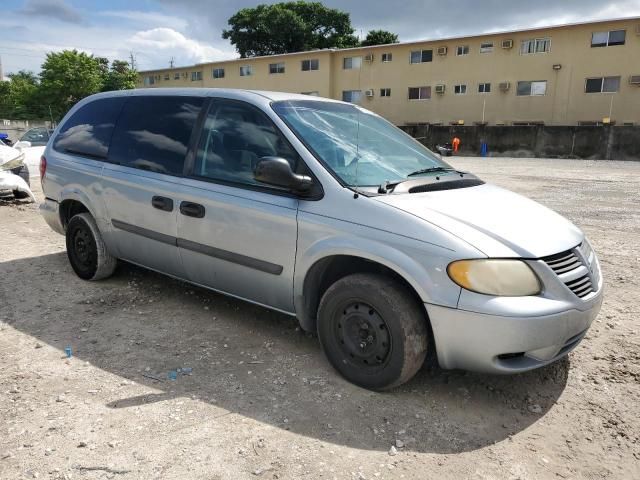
(563, 262)
(581, 286)
(573, 271)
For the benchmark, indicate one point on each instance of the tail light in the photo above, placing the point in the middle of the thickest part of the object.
(43, 167)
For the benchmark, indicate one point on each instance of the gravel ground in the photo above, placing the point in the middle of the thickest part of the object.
(256, 398)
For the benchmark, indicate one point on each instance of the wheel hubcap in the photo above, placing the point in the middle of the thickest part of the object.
(363, 335)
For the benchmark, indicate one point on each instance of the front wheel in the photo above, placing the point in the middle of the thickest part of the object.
(373, 331)
(86, 250)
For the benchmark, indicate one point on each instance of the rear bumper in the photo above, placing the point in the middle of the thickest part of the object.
(504, 344)
(50, 211)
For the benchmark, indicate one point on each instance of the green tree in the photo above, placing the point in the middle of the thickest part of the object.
(289, 27)
(379, 37)
(68, 77)
(119, 77)
(19, 97)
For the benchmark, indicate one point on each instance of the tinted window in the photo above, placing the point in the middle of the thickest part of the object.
(234, 138)
(617, 37)
(153, 133)
(89, 129)
(594, 85)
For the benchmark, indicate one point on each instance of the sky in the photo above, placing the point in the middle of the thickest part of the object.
(189, 31)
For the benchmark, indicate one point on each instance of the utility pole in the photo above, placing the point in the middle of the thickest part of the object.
(171, 63)
(133, 60)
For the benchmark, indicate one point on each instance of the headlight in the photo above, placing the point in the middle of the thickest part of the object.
(15, 163)
(507, 278)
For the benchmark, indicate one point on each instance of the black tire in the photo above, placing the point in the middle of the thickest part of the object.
(18, 195)
(373, 331)
(86, 250)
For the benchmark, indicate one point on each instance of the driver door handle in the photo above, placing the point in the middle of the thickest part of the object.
(192, 209)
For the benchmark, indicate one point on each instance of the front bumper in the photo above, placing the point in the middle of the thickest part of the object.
(50, 211)
(502, 344)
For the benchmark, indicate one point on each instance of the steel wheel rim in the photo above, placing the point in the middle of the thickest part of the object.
(363, 336)
(83, 248)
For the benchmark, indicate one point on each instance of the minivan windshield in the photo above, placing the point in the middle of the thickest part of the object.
(361, 148)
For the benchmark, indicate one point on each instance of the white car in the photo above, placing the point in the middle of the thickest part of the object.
(14, 172)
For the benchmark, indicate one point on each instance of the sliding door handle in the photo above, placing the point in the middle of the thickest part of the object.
(162, 203)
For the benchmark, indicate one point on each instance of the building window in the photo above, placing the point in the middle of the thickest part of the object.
(419, 93)
(196, 76)
(486, 47)
(166, 76)
(484, 88)
(150, 80)
(308, 65)
(349, 63)
(460, 89)
(422, 56)
(608, 39)
(532, 89)
(352, 96)
(218, 73)
(314, 93)
(387, 57)
(385, 92)
(535, 45)
(276, 67)
(246, 71)
(602, 85)
(176, 76)
(462, 50)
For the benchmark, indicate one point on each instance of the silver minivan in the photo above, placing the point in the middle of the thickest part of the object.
(324, 211)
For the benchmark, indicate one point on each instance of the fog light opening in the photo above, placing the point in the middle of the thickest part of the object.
(510, 356)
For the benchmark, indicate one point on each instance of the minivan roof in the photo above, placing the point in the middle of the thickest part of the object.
(214, 92)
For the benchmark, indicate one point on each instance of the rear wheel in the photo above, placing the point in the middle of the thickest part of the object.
(373, 331)
(86, 250)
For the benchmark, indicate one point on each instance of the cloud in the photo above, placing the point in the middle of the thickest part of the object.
(155, 19)
(57, 9)
(171, 41)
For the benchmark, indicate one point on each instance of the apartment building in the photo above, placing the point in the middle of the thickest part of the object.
(587, 73)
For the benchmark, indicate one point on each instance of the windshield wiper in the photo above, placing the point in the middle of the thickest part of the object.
(388, 186)
(432, 170)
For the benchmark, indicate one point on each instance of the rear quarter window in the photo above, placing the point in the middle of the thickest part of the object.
(88, 131)
(153, 133)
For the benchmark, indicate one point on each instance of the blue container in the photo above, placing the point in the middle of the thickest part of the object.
(484, 149)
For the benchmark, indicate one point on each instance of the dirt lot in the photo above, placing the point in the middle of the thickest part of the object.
(261, 401)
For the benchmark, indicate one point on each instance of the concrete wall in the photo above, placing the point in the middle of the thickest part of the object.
(16, 128)
(564, 103)
(604, 142)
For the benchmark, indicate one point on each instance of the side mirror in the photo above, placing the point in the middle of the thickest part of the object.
(22, 144)
(277, 171)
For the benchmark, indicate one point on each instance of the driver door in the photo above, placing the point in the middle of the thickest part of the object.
(236, 235)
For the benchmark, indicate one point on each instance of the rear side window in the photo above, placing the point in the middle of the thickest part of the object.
(153, 133)
(88, 131)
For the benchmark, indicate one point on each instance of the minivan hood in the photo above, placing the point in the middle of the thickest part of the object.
(496, 221)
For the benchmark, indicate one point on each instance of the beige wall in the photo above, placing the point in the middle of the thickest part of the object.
(565, 101)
